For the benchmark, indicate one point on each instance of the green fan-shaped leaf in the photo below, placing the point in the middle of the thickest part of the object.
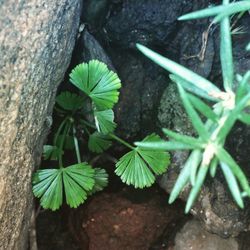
(98, 142)
(104, 121)
(51, 152)
(101, 180)
(98, 82)
(78, 179)
(138, 167)
(70, 101)
(47, 185)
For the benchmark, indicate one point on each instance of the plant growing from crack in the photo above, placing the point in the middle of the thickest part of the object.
(229, 106)
(92, 114)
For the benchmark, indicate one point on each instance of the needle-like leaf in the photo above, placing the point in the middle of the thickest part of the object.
(243, 88)
(195, 88)
(197, 187)
(181, 181)
(226, 56)
(248, 47)
(180, 71)
(232, 117)
(225, 157)
(183, 138)
(195, 119)
(226, 10)
(203, 108)
(165, 145)
(232, 184)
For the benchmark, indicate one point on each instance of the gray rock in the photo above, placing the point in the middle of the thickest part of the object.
(193, 237)
(89, 48)
(36, 44)
(145, 21)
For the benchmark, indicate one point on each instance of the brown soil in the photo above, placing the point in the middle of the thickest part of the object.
(127, 220)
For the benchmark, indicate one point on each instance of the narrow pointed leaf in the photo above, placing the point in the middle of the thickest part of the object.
(243, 88)
(232, 184)
(212, 11)
(195, 119)
(232, 117)
(245, 118)
(226, 55)
(203, 108)
(196, 88)
(98, 142)
(104, 121)
(183, 138)
(98, 82)
(225, 157)
(248, 47)
(213, 166)
(197, 187)
(195, 158)
(230, 12)
(70, 101)
(165, 145)
(181, 181)
(179, 70)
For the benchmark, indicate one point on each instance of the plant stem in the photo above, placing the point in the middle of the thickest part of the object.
(113, 136)
(88, 124)
(59, 130)
(78, 156)
(65, 132)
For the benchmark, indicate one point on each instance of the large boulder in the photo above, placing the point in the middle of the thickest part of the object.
(36, 42)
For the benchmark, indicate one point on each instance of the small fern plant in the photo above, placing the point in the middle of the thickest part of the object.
(228, 106)
(92, 114)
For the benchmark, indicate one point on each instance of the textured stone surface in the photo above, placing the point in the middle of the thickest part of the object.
(36, 42)
(194, 237)
(145, 21)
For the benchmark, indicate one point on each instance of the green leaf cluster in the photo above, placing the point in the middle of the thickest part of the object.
(228, 106)
(76, 182)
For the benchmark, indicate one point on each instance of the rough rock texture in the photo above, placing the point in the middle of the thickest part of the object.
(89, 48)
(143, 84)
(194, 237)
(36, 42)
(145, 21)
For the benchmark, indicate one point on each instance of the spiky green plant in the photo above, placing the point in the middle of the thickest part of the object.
(228, 106)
